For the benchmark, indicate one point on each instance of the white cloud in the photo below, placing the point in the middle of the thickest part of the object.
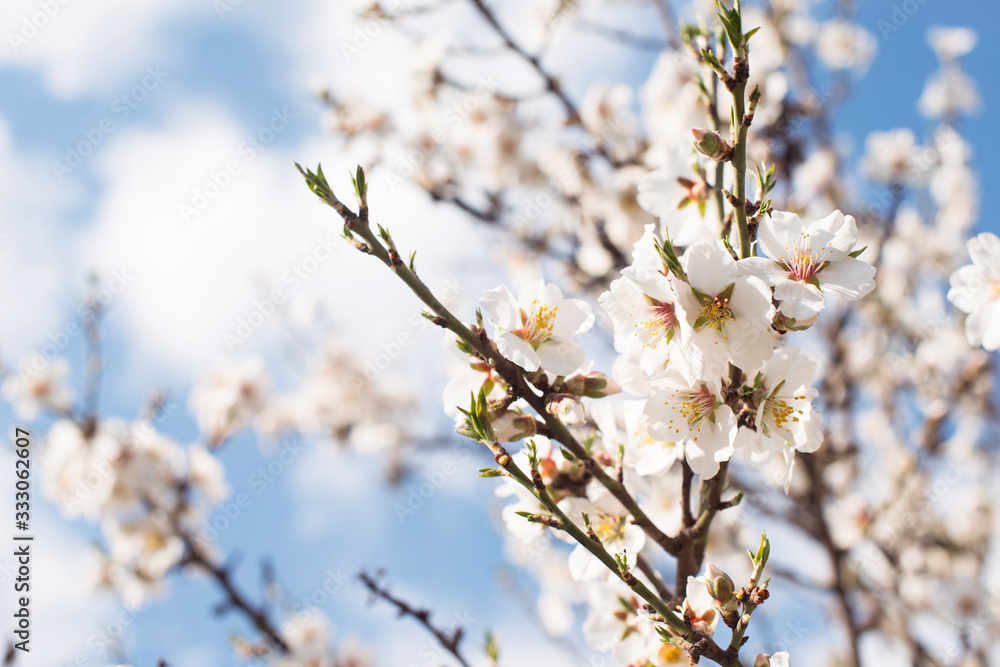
(193, 237)
(35, 249)
(78, 46)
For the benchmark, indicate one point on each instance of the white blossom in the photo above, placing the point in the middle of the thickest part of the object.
(785, 420)
(845, 45)
(804, 261)
(643, 307)
(696, 415)
(537, 329)
(229, 397)
(975, 289)
(727, 314)
(32, 389)
(889, 156)
(951, 43)
(610, 521)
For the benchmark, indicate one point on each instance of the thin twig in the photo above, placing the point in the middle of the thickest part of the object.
(450, 642)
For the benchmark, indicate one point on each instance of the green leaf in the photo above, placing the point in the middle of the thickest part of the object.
(857, 253)
(703, 298)
(360, 185)
(490, 472)
(710, 58)
(728, 292)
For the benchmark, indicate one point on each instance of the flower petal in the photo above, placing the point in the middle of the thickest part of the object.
(519, 351)
(849, 277)
(710, 267)
(559, 357)
(502, 308)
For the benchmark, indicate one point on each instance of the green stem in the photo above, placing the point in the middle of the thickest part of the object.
(720, 167)
(597, 549)
(740, 154)
(512, 374)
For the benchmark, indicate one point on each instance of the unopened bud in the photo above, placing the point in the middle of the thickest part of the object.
(511, 426)
(762, 661)
(712, 145)
(785, 323)
(568, 409)
(592, 385)
(720, 586)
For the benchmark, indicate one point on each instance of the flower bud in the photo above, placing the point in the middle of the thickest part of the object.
(511, 426)
(712, 145)
(783, 322)
(592, 385)
(762, 660)
(720, 586)
(568, 409)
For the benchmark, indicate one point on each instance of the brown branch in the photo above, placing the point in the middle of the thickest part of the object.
(551, 84)
(235, 599)
(450, 642)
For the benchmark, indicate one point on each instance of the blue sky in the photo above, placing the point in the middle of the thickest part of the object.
(226, 78)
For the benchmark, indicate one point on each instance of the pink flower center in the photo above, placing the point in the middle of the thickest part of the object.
(804, 266)
(696, 404)
(538, 325)
(663, 318)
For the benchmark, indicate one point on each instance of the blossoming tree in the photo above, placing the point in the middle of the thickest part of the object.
(784, 355)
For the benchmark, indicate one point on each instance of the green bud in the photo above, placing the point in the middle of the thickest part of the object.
(720, 585)
(712, 145)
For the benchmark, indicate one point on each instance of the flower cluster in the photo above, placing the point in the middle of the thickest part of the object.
(149, 493)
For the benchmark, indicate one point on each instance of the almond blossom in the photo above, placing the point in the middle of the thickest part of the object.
(727, 313)
(229, 397)
(699, 605)
(975, 289)
(610, 521)
(643, 307)
(537, 329)
(888, 156)
(784, 420)
(31, 390)
(696, 415)
(783, 396)
(804, 261)
(682, 199)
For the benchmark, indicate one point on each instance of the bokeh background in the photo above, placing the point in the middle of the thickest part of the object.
(167, 94)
